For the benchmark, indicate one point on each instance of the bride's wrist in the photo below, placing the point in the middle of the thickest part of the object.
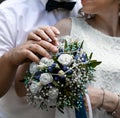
(102, 98)
(110, 101)
(116, 112)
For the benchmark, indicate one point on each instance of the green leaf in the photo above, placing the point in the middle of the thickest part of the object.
(90, 57)
(66, 45)
(54, 58)
(81, 44)
(94, 63)
(55, 83)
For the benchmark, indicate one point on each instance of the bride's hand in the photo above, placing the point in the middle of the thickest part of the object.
(96, 97)
(47, 33)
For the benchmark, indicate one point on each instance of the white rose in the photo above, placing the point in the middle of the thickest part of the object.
(46, 78)
(65, 59)
(35, 87)
(41, 65)
(46, 61)
(33, 67)
(53, 93)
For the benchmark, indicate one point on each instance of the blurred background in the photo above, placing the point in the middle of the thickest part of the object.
(1, 1)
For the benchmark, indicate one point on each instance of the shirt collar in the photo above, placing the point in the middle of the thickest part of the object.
(45, 1)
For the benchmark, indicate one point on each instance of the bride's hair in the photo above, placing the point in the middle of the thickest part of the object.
(119, 7)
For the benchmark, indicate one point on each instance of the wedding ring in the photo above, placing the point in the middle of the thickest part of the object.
(49, 40)
(30, 46)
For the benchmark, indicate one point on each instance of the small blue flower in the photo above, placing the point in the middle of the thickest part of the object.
(79, 49)
(61, 50)
(63, 77)
(49, 85)
(37, 75)
(58, 54)
(83, 57)
(56, 78)
(50, 68)
(65, 68)
(76, 57)
(54, 65)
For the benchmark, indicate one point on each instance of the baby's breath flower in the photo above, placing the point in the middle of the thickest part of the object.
(53, 93)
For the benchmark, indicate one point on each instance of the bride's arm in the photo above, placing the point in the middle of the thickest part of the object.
(111, 103)
(104, 99)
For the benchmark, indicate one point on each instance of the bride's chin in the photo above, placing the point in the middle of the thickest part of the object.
(87, 10)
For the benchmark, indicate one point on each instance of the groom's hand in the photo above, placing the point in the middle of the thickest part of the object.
(46, 33)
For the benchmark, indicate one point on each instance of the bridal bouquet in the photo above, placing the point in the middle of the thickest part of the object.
(62, 80)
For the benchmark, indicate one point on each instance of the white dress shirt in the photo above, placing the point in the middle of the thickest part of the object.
(17, 19)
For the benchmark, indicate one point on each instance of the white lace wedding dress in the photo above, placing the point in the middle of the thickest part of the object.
(106, 49)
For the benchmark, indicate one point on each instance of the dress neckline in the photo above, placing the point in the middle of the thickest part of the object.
(99, 32)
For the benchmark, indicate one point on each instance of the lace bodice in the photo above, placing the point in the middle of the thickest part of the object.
(106, 49)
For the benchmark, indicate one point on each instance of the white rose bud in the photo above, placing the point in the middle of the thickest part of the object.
(46, 78)
(65, 59)
(53, 93)
(61, 73)
(35, 87)
(46, 61)
(33, 68)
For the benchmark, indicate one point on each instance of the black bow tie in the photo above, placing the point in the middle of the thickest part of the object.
(52, 4)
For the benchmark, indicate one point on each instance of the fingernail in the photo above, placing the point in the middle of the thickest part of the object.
(57, 43)
(49, 56)
(58, 32)
(55, 38)
(39, 39)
